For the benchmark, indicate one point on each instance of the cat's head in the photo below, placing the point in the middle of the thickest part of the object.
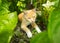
(30, 15)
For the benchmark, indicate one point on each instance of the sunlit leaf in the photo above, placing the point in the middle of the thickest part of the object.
(54, 26)
(40, 38)
(7, 25)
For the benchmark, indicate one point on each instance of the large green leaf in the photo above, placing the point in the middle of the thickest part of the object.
(7, 25)
(54, 26)
(40, 38)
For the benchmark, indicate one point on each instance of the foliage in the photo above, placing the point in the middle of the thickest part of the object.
(7, 24)
(54, 26)
(8, 21)
(4, 6)
(21, 4)
(53, 33)
(41, 38)
(49, 17)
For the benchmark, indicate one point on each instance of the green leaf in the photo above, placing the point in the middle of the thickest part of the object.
(40, 38)
(56, 3)
(54, 26)
(4, 6)
(7, 25)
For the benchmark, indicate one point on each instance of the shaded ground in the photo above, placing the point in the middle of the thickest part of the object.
(21, 37)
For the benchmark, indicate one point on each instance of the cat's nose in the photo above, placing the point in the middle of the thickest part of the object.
(33, 20)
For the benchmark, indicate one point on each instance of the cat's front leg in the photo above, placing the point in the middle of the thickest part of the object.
(36, 27)
(28, 32)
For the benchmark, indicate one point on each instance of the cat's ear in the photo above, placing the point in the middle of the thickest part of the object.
(34, 10)
(24, 12)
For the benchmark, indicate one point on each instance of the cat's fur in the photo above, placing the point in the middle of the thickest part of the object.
(28, 17)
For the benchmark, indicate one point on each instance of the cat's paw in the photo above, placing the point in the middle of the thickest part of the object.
(38, 30)
(29, 34)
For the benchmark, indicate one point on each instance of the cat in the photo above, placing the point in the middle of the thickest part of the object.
(28, 17)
